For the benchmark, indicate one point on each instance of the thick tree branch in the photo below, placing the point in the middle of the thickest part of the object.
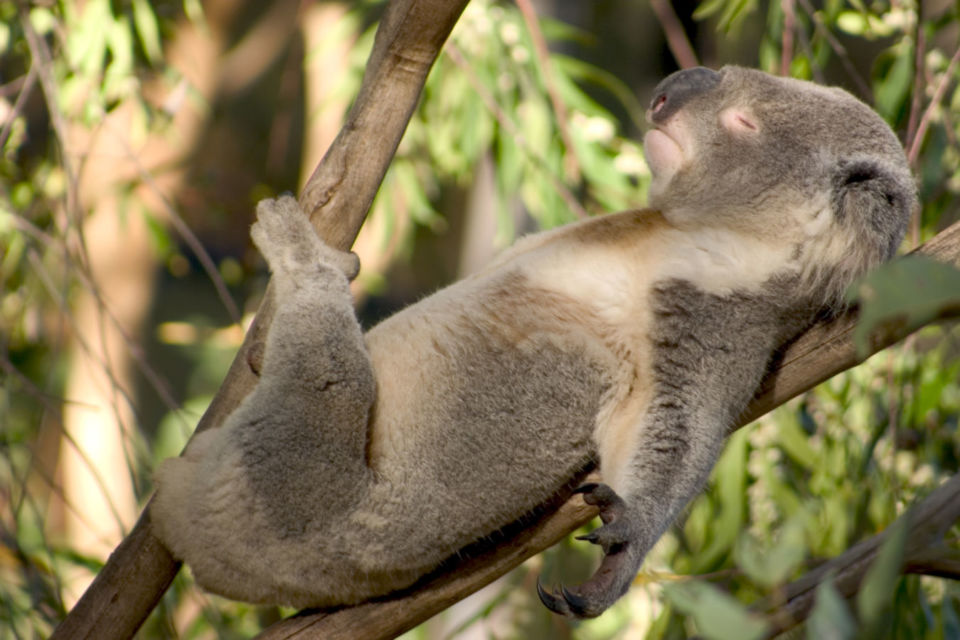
(337, 198)
(926, 524)
(827, 348)
(821, 352)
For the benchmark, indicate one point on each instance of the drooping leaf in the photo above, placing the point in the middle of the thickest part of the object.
(831, 618)
(876, 592)
(145, 21)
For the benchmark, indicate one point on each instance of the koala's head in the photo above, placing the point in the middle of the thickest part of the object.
(780, 158)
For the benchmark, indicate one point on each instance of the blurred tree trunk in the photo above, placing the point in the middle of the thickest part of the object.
(95, 471)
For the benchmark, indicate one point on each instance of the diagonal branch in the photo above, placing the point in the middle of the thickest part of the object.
(924, 552)
(337, 197)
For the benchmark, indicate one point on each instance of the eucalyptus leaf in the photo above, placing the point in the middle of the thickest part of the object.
(145, 21)
(875, 595)
(890, 90)
(915, 288)
(831, 618)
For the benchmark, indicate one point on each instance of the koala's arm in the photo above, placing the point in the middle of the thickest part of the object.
(709, 355)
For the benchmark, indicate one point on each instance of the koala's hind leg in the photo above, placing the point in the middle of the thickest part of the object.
(304, 429)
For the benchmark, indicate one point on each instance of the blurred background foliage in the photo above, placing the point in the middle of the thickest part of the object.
(136, 137)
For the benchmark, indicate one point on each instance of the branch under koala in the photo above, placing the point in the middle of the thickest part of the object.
(926, 523)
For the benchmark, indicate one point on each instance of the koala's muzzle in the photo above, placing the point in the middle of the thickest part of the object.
(676, 89)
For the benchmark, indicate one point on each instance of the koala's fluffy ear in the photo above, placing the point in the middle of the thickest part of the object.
(874, 199)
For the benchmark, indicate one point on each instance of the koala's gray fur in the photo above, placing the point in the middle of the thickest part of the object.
(631, 341)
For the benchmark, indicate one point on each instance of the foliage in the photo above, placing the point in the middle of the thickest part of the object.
(800, 485)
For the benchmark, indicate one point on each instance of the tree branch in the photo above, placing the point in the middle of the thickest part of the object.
(926, 524)
(337, 198)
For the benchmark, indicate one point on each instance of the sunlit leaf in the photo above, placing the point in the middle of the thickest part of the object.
(891, 89)
(915, 288)
(146, 22)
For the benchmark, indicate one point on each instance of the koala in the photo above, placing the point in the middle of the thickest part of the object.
(627, 343)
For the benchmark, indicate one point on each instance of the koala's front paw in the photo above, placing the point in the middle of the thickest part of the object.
(618, 537)
(287, 240)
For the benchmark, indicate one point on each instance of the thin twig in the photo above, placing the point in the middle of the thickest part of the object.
(571, 163)
(786, 45)
(913, 147)
(862, 87)
(181, 226)
(677, 40)
(26, 87)
(916, 102)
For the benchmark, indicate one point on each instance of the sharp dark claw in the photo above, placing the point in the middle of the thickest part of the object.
(587, 487)
(551, 601)
(578, 605)
(591, 537)
(623, 543)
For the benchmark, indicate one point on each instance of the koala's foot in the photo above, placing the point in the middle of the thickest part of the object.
(287, 240)
(620, 563)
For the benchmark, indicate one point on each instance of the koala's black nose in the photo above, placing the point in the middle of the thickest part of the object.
(676, 89)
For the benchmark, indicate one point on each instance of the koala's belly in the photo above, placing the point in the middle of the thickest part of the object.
(477, 425)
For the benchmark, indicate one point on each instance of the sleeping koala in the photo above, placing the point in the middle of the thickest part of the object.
(629, 342)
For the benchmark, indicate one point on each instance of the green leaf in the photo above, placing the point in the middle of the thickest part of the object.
(145, 21)
(774, 566)
(716, 614)
(42, 20)
(891, 88)
(916, 288)
(852, 22)
(794, 440)
(730, 486)
(876, 593)
(732, 12)
(830, 619)
(951, 621)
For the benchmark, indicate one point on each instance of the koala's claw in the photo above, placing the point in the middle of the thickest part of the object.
(619, 565)
(566, 603)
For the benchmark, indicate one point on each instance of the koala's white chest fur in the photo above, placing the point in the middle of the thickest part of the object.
(583, 288)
